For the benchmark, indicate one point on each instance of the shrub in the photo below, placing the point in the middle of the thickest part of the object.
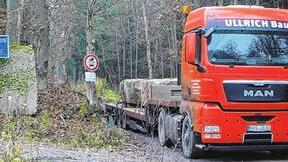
(102, 90)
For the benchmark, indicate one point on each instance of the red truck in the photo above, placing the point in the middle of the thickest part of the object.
(234, 85)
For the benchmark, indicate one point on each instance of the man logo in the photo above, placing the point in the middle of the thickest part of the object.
(258, 93)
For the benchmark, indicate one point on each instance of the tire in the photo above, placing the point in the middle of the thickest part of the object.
(280, 153)
(124, 120)
(161, 128)
(189, 140)
(119, 118)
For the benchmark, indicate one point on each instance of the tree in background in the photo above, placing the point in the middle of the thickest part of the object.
(132, 38)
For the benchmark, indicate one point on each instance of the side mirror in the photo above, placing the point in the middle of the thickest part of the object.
(190, 48)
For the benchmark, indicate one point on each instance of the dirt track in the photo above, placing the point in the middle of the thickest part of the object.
(139, 148)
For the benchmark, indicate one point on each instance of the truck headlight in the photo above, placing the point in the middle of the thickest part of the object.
(212, 129)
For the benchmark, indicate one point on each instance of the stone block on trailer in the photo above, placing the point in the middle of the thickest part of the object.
(138, 91)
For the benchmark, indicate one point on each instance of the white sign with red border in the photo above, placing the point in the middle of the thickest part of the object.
(91, 62)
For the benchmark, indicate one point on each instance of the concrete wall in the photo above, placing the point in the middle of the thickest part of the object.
(18, 83)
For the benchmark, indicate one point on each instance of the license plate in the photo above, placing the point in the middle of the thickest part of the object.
(259, 128)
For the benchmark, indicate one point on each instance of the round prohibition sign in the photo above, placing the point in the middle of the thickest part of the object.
(91, 62)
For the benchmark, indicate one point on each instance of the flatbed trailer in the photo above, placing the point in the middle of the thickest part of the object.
(144, 117)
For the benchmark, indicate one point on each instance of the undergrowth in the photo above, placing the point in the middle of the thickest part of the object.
(80, 132)
(102, 90)
(9, 134)
(60, 123)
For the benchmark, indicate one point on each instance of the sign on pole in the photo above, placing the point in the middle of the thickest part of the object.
(4, 46)
(91, 64)
(90, 76)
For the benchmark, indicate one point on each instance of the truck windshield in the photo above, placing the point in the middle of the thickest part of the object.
(257, 49)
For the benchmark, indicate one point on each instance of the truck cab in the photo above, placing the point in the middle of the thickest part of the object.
(234, 79)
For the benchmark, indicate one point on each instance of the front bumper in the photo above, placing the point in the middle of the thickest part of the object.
(274, 147)
(233, 126)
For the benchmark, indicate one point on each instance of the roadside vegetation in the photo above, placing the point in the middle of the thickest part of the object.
(63, 120)
(103, 91)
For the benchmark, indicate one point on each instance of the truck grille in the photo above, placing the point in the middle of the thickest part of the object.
(258, 138)
(259, 91)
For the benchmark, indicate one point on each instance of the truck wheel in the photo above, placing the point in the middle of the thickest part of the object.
(161, 128)
(189, 140)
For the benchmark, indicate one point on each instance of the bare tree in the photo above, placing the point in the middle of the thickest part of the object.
(20, 20)
(90, 49)
(148, 44)
(257, 2)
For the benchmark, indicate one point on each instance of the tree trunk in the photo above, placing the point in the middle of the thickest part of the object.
(42, 43)
(161, 59)
(118, 58)
(136, 51)
(136, 39)
(124, 60)
(148, 44)
(257, 2)
(220, 2)
(196, 4)
(11, 22)
(90, 49)
(156, 59)
(235, 2)
(20, 21)
(130, 49)
(124, 51)
(175, 56)
(247, 2)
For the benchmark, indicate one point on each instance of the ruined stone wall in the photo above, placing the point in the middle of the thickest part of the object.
(18, 83)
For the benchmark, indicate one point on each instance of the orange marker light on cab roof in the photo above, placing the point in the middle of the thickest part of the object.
(185, 10)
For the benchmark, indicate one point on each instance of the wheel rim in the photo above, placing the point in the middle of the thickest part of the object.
(124, 120)
(161, 133)
(187, 137)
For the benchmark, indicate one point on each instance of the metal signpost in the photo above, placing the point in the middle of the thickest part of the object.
(91, 64)
(4, 46)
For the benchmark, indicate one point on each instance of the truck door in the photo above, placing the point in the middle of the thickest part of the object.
(190, 85)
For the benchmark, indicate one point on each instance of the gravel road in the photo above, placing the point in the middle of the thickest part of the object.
(139, 148)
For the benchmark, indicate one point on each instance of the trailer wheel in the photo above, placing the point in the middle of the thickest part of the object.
(189, 140)
(161, 128)
(124, 120)
(119, 117)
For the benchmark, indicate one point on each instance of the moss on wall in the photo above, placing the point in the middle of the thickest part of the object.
(15, 82)
(4, 62)
(21, 48)
(15, 49)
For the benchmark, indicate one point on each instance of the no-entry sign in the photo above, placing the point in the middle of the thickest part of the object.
(91, 62)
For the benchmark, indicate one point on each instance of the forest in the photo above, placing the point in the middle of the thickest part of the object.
(43, 94)
(132, 38)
